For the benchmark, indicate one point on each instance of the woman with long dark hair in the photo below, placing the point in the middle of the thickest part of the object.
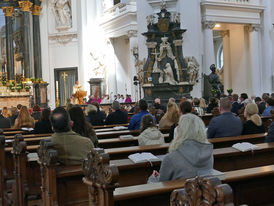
(81, 125)
(44, 125)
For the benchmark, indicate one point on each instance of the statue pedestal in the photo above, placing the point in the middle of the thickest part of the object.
(166, 91)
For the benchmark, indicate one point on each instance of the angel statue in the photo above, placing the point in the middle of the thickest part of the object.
(193, 69)
(62, 11)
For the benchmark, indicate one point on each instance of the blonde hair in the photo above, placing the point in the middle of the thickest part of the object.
(252, 111)
(5, 112)
(190, 127)
(202, 103)
(172, 113)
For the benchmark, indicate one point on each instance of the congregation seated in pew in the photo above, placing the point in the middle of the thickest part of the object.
(4, 120)
(150, 135)
(118, 116)
(81, 126)
(72, 148)
(44, 125)
(190, 153)
(94, 116)
(171, 117)
(135, 122)
(24, 119)
(269, 107)
(226, 124)
(254, 124)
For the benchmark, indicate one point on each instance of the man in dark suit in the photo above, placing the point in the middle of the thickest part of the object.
(117, 117)
(4, 122)
(235, 104)
(225, 125)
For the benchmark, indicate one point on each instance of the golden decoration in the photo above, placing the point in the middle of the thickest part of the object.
(8, 10)
(36, 10)
(163, 25)
(25, 5)
(181, 90)
(149, 92)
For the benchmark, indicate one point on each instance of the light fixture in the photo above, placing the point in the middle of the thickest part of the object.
(217, 25)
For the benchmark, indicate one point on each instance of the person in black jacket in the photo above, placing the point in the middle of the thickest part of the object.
(117, 117)
(44, 125)
(94, 117)
(270, 135)
(212, 104)
(4, 122)
(254, 123)
(235, 104)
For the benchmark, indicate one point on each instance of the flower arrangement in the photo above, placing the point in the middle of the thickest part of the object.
(12, 88)
(32, 79)
(27, 88)
(229, 91)
(4, 83)
(18, 87)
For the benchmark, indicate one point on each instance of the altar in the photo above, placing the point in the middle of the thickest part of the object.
(14, 100)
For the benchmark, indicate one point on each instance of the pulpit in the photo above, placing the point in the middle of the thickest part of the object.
(79, 97)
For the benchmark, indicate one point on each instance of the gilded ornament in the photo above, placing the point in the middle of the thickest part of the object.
(25, 5)
(8, 10)
(36, 10)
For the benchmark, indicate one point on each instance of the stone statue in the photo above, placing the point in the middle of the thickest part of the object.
(62, 11)
(165, 49)
(140, 70)
(214, 80)
(150, 20)
(193, 69)
(176, 17)
(168, 75)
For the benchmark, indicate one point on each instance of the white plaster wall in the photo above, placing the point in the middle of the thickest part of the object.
(241, 77)
(192, 46)
(123, 73)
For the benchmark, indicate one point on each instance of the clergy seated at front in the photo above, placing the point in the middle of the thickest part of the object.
(190, 153)
(72, 148)
(135, 121)
(225, 125)
(150, 134)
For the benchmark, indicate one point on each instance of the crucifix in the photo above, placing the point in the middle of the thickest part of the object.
(64, 76)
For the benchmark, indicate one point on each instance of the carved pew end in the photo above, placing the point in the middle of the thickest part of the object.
(203, 191)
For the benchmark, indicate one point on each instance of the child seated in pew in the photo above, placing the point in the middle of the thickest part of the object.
(190, 154)
(150, 134)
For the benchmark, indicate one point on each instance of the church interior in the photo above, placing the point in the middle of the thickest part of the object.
(136, 102)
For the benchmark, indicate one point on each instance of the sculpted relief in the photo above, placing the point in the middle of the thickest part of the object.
(62, 13)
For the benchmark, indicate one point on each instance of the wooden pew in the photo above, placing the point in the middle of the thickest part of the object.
(158, 194)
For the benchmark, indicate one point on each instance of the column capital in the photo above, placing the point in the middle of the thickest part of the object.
(209, 24)
(253, 27)
(132, 33)
(36, 10)
(224, 33)
(25, 5)
(8, 10)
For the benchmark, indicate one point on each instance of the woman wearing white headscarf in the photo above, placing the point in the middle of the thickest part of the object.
(190, 154)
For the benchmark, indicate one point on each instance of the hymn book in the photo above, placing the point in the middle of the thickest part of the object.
(245, 146)
(129, 136)
(143, 157)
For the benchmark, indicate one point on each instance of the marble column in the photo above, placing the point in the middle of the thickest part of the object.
(209, 57)
(227, 59)
(36, 39)
(133, 42)
(8, 11)
(26, 8)
(255, 65)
